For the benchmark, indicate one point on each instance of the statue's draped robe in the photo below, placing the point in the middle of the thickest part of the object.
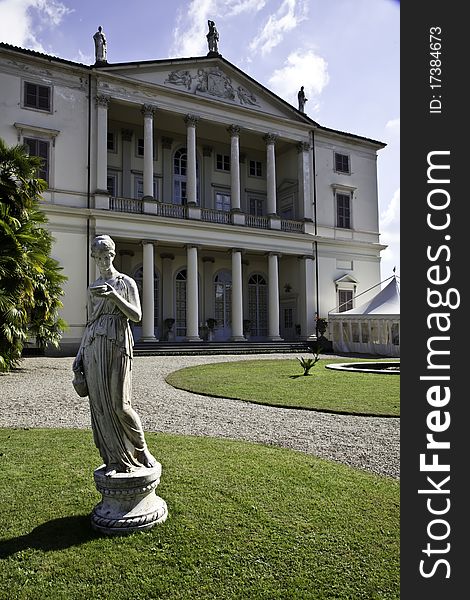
(107, 360)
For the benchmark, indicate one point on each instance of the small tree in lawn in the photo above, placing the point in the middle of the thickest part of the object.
(30, 280)
(308, 363)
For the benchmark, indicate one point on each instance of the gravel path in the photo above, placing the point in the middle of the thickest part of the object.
(40, 394)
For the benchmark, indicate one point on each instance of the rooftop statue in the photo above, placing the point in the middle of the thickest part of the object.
(100, 46)
(212, 38)
(302, 99)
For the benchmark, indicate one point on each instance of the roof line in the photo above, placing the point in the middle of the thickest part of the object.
(105, 66)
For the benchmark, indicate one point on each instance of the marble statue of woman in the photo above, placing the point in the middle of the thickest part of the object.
(104, 359)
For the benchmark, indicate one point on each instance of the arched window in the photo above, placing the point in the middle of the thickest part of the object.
(258, 305)
(180, 165)
(138, 276)
(180, 296)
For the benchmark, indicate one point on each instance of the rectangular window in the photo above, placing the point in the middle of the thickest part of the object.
(111, 142)
(222, 162)
(288, 318)
(342, 163)
(37, 96)
(222, 202)
(345, 300)
(112, 185)
(139, 188)
(343, 207)
(257, 207)
(39, 148)
(140, 148)
(255, 168)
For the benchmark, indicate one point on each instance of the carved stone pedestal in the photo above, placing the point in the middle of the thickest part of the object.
(129, 502)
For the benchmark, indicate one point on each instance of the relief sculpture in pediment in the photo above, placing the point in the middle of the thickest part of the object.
(211, 82)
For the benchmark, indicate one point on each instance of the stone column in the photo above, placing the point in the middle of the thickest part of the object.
(102, 103)
(148, 111)
(273, 290)
(237, 296)
(234, 131)
(192, 296)
(126, 136)
(305, 194)
(167, 170)
(191, 179)
(148, 302)
(270, 140)
(307, 297)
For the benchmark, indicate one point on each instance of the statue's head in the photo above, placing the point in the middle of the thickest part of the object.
(103, 243)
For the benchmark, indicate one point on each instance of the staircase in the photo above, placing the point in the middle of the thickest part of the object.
(195, 348)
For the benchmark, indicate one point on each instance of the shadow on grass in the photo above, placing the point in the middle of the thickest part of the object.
(57, 534)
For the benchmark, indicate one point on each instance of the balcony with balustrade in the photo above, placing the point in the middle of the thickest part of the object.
(209, 215)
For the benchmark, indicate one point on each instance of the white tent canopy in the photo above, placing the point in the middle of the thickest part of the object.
(372, 327)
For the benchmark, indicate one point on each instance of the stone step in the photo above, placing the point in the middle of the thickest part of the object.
(195, 348)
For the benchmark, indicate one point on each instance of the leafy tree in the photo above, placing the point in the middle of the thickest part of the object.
(30, 280)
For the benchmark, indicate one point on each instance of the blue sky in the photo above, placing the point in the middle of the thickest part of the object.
(344, 52)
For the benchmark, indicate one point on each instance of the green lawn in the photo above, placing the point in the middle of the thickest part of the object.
(246, 521)
(281, 383)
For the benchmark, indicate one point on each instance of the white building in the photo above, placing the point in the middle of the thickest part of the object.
(224, 201)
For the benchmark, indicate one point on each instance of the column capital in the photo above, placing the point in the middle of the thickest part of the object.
(303, 147)
(278, 254)
(126, 135)
(148, 110)
(167, 143)
(270, 138)
(234, 130)
(191, 120)
(232, 250)
(102, 101)
(145, 242)
(189, 246)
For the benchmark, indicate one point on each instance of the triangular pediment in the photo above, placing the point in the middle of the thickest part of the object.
(212, 78)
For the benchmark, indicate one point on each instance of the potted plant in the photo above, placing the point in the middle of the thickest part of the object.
(211, 325)
(169, 334)
(246, 328)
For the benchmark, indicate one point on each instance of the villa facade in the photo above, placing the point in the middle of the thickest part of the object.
(225, 202)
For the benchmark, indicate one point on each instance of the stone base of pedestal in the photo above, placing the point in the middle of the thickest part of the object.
(129, 502)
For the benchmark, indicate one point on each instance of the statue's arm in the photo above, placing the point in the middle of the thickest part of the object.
(130, 306)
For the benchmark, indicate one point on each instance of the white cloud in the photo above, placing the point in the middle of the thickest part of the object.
(190, 32)
(84, 58)
(301, 68)
(243, 6)
(289, 14)
(189, 35)
(22, 20)
(393, 124)
(390, 235)
(391, 215)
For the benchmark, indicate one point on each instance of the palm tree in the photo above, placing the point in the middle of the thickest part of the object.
(30, 280)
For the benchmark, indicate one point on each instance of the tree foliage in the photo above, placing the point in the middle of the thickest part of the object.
(30, 280)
